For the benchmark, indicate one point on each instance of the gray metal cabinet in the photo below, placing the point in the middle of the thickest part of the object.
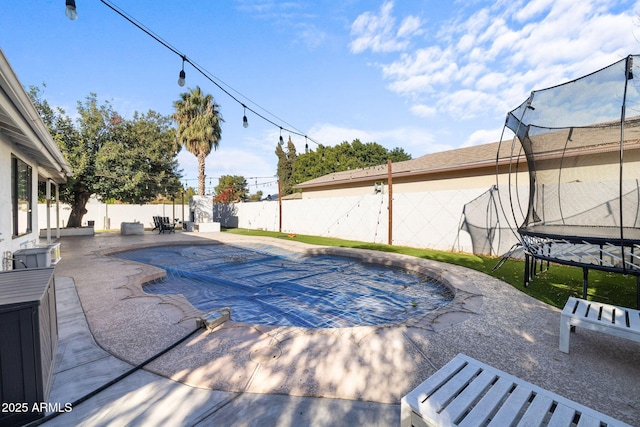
(28, 341)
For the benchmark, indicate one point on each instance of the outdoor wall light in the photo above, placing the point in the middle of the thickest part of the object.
(182, 74)
(70, 10)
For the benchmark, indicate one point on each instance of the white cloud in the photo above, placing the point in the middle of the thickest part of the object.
(468, 104)
(310, 35)
(413, 140)
(483, 136)
(330, 134)
(487, 62)
(294, 17)
(410, 27)
(422, 110)
(532, 10)
(378, 33)
(419, 72)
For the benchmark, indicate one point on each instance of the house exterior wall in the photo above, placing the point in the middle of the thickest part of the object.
(8, 243)
(481, 179)
(23, 136)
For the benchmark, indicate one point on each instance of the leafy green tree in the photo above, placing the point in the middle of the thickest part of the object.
(286, 164)
(257, 196)
(199, 131)
(110, 157)
(325, 160)
(399, 155)
(140, 161)
(189, 193)
(231, 189)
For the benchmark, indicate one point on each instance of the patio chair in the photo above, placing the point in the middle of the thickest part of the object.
(166, 225)
(156, 223)
(163, 224)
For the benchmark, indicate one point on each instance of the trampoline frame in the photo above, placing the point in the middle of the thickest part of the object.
(587, 252)
(608, 248)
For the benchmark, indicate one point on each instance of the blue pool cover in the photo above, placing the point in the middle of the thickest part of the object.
(271, 286)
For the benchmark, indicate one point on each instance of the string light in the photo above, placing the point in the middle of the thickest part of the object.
(70, 10)
(204, 73)
(245, 122)
(182, 74)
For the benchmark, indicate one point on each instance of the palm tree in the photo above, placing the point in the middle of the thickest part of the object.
(198, 122)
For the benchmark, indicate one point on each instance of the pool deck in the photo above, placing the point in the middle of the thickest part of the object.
(239, 374)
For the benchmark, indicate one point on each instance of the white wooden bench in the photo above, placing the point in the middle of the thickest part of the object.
(619, 321)
(466, 392)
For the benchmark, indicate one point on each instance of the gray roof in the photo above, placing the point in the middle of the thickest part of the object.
(479, 156)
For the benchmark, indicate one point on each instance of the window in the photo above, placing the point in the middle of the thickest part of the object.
(21, 196)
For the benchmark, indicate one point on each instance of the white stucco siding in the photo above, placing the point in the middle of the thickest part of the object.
(9, 243)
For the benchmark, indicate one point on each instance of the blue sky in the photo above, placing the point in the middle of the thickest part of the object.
(424, 75)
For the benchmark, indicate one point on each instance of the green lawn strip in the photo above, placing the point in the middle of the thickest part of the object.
(552, 286)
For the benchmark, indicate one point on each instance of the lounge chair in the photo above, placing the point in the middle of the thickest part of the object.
(466, 392)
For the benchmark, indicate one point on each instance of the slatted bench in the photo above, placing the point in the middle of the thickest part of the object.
(466, 392)
(610, 319)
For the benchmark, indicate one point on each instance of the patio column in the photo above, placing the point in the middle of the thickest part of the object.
(57, 211)
(48, 196)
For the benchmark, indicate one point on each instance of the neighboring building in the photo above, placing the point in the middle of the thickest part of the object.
(481, 190)
(430, 200)
(463, 168)
(28, 155)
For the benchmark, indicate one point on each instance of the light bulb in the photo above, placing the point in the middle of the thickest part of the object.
(70, 10)
(181, 78)
(245, 122)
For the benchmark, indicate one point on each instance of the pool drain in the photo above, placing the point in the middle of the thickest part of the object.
(265, 354)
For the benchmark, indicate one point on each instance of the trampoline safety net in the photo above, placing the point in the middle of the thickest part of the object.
(485, 222)
(581, 140)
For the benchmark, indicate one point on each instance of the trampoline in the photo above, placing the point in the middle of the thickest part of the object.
(581, 142)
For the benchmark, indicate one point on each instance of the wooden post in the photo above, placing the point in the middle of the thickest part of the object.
(279, 209)
(182, 193)
(390, 179)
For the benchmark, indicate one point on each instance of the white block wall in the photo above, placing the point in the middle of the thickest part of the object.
(420, 220)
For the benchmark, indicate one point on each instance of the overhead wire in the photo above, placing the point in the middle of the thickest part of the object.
(213, 79)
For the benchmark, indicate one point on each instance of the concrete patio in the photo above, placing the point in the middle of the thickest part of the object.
(241, 374)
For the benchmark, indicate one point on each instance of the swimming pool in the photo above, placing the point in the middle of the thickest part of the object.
(268, 285)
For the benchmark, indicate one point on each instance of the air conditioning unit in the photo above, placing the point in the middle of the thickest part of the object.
(31, 258)
(38, 257)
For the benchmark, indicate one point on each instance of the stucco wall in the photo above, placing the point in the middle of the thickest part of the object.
(8, 243)
(420, 219)
(109, 217)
